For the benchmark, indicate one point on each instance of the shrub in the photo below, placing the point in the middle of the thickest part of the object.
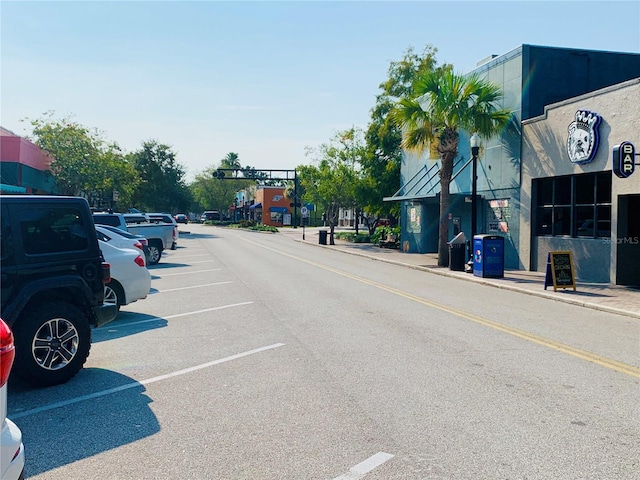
(352, 237)
(383, 232)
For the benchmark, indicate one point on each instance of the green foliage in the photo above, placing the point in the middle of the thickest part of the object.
(212, 193)
(332, 181)
(162, 187)
(441, 104)
(84, 163)
(246, 224)
(251, 225)
(385, 231)
(381, 165)
(353, 237)
(232, 160)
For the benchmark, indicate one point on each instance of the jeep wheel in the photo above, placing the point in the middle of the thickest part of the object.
(52, 343)
(114, 294)
(155, 252)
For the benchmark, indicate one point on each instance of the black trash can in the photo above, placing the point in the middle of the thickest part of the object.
(323, 237)
(457, 257)
(457, 250)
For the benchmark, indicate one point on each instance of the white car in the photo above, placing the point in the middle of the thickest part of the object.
(11, 447)
(122, 239)
(130, 279)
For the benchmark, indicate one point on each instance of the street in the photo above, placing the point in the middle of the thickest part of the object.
(258, 357)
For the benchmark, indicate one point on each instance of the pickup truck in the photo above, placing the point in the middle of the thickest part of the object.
(160, 236)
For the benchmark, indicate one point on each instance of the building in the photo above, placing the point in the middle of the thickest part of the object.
(571, 198)
(531, 77)
(24, 168)
(271, 206)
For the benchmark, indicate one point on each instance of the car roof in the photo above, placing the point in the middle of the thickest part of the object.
(117, 231)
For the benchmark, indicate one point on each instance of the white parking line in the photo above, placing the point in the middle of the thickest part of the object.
(203, 261)
(169, 317)
(186, 273)
(192, 286)
(127, 386)
(365, 467)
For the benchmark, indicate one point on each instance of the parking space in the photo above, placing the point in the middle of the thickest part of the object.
(196, 363)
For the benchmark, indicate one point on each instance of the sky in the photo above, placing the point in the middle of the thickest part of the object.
(263, 79)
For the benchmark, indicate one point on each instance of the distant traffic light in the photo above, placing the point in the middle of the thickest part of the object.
(218, 174)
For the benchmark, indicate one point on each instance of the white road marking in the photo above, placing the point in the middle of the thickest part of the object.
(177, 315)
(186, 273)
(203, 261)
(127, 386)
(365, 467)
(192, 286)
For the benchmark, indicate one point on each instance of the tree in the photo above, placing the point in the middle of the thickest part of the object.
(381, 165)
(440, 105)
(162, 187)
(215, 193)
(332, 183)
(84, 163)
(230, 161)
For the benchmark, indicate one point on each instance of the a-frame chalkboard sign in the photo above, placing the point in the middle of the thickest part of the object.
(560, 271)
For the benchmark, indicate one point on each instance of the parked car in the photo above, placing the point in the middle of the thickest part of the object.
(134, 218)
(161, 218)
(11, 447)
(53, 278)
(130, 279)
(181, 218)
(210, 215)
(112, 219)
(159, 235)
(122, 239)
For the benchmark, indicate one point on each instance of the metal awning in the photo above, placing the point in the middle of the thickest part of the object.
(4, 188)
(255, 205)
(424, 183)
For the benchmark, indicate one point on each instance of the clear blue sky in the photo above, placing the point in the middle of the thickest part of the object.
(262, 79)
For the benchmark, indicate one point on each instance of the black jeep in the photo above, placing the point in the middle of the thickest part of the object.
(53, 276)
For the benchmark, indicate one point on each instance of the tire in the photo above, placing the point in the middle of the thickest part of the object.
(114, 294)
(52, 343)
(155, 252)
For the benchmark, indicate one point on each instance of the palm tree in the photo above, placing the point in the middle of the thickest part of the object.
(231, 161)
(442, 104)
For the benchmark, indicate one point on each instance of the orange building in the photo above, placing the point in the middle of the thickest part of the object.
(271, 207)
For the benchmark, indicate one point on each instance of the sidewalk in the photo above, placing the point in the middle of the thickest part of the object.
(598, 296)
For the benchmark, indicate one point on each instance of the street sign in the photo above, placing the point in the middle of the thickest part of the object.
(304, 211)
(624, 159)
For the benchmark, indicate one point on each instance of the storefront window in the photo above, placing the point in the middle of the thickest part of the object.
(276, 217)
(577, 205)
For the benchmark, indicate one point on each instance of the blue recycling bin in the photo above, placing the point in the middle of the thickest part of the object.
(488, 256)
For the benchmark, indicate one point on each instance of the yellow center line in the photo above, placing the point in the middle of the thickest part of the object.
(560, 347)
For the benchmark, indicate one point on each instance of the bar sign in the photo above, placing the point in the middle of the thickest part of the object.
(624, 159)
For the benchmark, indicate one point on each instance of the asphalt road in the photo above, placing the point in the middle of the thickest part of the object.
(257, 357)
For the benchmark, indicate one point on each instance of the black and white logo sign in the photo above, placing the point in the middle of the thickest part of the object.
(583, 140)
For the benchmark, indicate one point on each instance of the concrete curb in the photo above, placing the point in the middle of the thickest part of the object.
(445, 273)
